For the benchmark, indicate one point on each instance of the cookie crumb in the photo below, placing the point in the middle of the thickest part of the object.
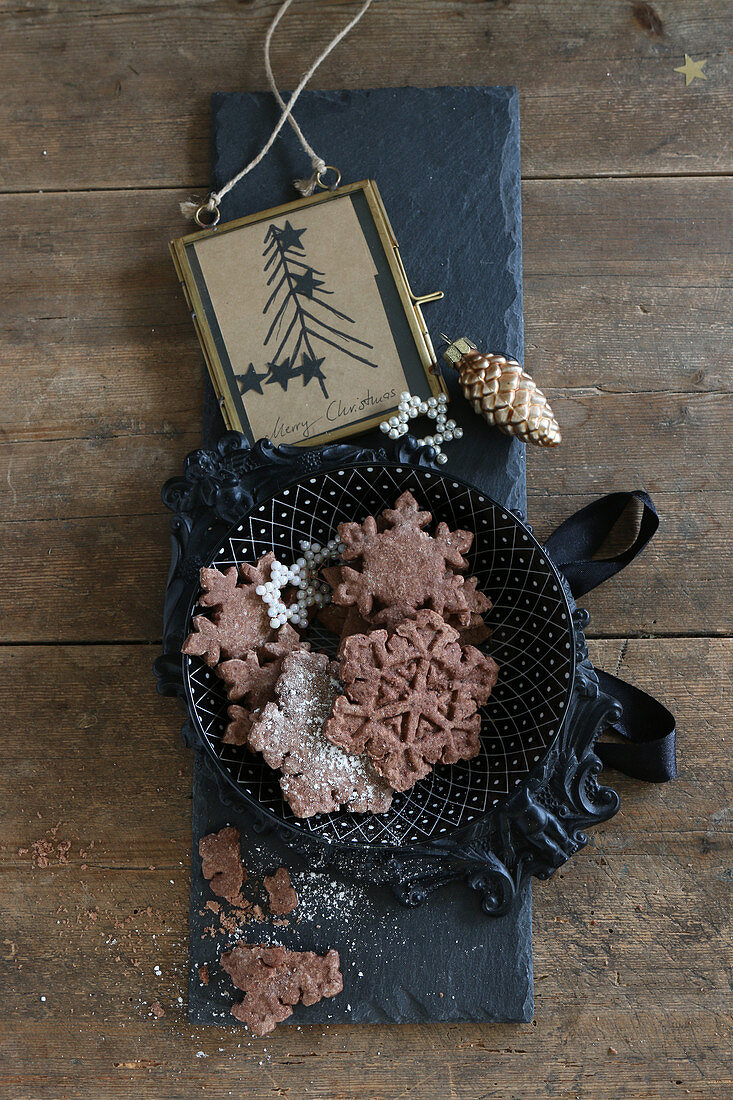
(283, 898)
(275, 979)
(221, 863)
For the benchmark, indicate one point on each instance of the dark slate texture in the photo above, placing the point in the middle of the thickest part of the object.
(446, 161)
(447, 164)
(443, 961)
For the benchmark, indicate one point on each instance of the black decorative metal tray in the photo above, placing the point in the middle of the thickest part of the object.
(518, 808)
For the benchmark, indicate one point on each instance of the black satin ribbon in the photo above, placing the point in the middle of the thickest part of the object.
(573, 544)
(648, 751)
(648, 729)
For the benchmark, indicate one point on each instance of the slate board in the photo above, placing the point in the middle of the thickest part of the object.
(447, 164)
(443, 961)
(446, 161)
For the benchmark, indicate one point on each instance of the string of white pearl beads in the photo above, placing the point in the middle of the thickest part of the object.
(435, 408)
(311, 591)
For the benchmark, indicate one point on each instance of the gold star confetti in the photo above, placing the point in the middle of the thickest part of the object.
(692, 69)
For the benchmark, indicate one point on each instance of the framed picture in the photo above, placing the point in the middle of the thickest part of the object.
(307, 321)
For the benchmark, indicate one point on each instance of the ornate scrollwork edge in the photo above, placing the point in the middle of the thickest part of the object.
(218, 487)
(532, 833)
(539, 828)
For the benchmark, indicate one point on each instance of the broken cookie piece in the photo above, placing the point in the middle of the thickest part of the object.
(250, 681)
(317, 776)
(283, 897)
(221, 863)
(274, 979)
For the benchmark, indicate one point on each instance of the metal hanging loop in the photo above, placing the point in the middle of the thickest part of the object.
(328, 186)
(207, 217)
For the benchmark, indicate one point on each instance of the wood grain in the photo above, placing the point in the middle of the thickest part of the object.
(632, 939)
(119, 93)
(628, 310)
(102, 575)
(99, 341)
(101, 388)
(628, 285)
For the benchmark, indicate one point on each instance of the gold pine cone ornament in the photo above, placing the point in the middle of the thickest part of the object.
(504, 394)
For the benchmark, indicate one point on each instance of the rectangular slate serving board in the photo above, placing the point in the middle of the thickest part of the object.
(447, 164)
(443, 961)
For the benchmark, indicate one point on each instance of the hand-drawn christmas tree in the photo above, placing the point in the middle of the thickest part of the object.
(301, 315)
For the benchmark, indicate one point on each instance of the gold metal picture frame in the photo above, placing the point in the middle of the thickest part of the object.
(308, 340)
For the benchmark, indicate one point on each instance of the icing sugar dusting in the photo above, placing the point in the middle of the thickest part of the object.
(317, 776)
(321, 896)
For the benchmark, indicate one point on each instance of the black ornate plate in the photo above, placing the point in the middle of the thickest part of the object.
(522, 806)
(532, 641)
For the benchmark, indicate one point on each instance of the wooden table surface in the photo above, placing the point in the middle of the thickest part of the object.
(627, 247)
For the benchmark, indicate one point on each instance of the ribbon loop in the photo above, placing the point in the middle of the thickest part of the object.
(648, 729)
(573, 544)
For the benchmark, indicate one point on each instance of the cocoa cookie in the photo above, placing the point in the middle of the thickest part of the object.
(343, 621)
(238, 620)
(250, 681)
(221, 862)
(283, 897)
(317, 776)
(475, 631)
(346, 621)
(238, 726)
(274, 979)
(411, 698)
(398, 568)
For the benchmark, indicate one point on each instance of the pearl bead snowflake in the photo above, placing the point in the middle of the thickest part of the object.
(302, 575)
(435, 408)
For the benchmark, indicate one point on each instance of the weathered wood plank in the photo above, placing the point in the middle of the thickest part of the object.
(101, 577)
(121, 93)
(613, 1019)
(100, 397)
(631, 939)
(610, 440)
(106, 728)
(628, 285)
(99, 341)
(91, 528)
(110, 727)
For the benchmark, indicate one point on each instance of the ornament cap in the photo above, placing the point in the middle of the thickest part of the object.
(456, 348)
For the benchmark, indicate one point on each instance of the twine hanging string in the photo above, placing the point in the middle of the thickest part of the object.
(207, 214)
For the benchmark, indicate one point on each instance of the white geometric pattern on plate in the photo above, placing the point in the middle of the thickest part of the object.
(532, 644)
